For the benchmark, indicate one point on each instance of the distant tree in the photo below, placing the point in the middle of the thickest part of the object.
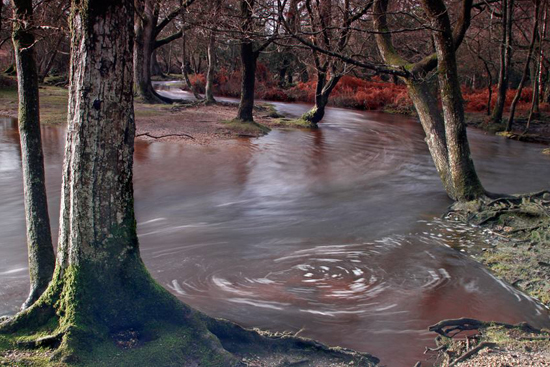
(252, 27)
(528, 61)
(39, 238)
(328, 26)
(506, 50)
(148, 28)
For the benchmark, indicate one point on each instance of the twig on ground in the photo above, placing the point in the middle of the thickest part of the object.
(164, 136)
(472, 351)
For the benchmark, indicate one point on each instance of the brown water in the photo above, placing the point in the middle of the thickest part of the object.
(331, 233)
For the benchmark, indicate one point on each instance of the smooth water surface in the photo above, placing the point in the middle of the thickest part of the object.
(330, 233)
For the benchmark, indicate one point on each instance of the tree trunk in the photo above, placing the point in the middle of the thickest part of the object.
(426, 104)
(505, 60)
(525, 70)
(248, 81)
(209, 93)
(542, 56)
(156, 70)
(39, 238)
(445, 132)
(323, 89)
(185, 61)
(100, 286)
(466, 184)
(44, 74)
(489, 86)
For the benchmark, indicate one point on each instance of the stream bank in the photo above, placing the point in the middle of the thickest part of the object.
(518, 231)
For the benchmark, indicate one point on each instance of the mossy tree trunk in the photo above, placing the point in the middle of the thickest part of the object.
(39, 238)
(100, 285)
(465, 182)
(323, 89)
(426, 104)
(445, 128)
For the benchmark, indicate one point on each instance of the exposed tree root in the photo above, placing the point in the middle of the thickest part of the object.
(509, 214)
(445, 327)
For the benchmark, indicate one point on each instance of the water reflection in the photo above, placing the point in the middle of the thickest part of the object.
(330, 232)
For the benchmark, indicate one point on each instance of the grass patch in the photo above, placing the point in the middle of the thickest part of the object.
(268, 110)
(241, 127)
(53, 105)
(295, 123)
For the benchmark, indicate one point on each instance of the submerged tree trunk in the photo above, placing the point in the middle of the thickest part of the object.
(248, 81)
(505, 60)
(209, 93)
(39, 238)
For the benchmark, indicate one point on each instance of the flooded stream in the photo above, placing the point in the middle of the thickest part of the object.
(330, 233)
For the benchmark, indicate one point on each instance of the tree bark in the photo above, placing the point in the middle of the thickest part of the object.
(505, 60)
(1, 6)
(39, 238)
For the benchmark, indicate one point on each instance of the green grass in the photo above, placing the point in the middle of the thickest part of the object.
(295, 123)
(246, 128)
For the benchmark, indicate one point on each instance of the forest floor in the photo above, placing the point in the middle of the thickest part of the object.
(195, 123)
